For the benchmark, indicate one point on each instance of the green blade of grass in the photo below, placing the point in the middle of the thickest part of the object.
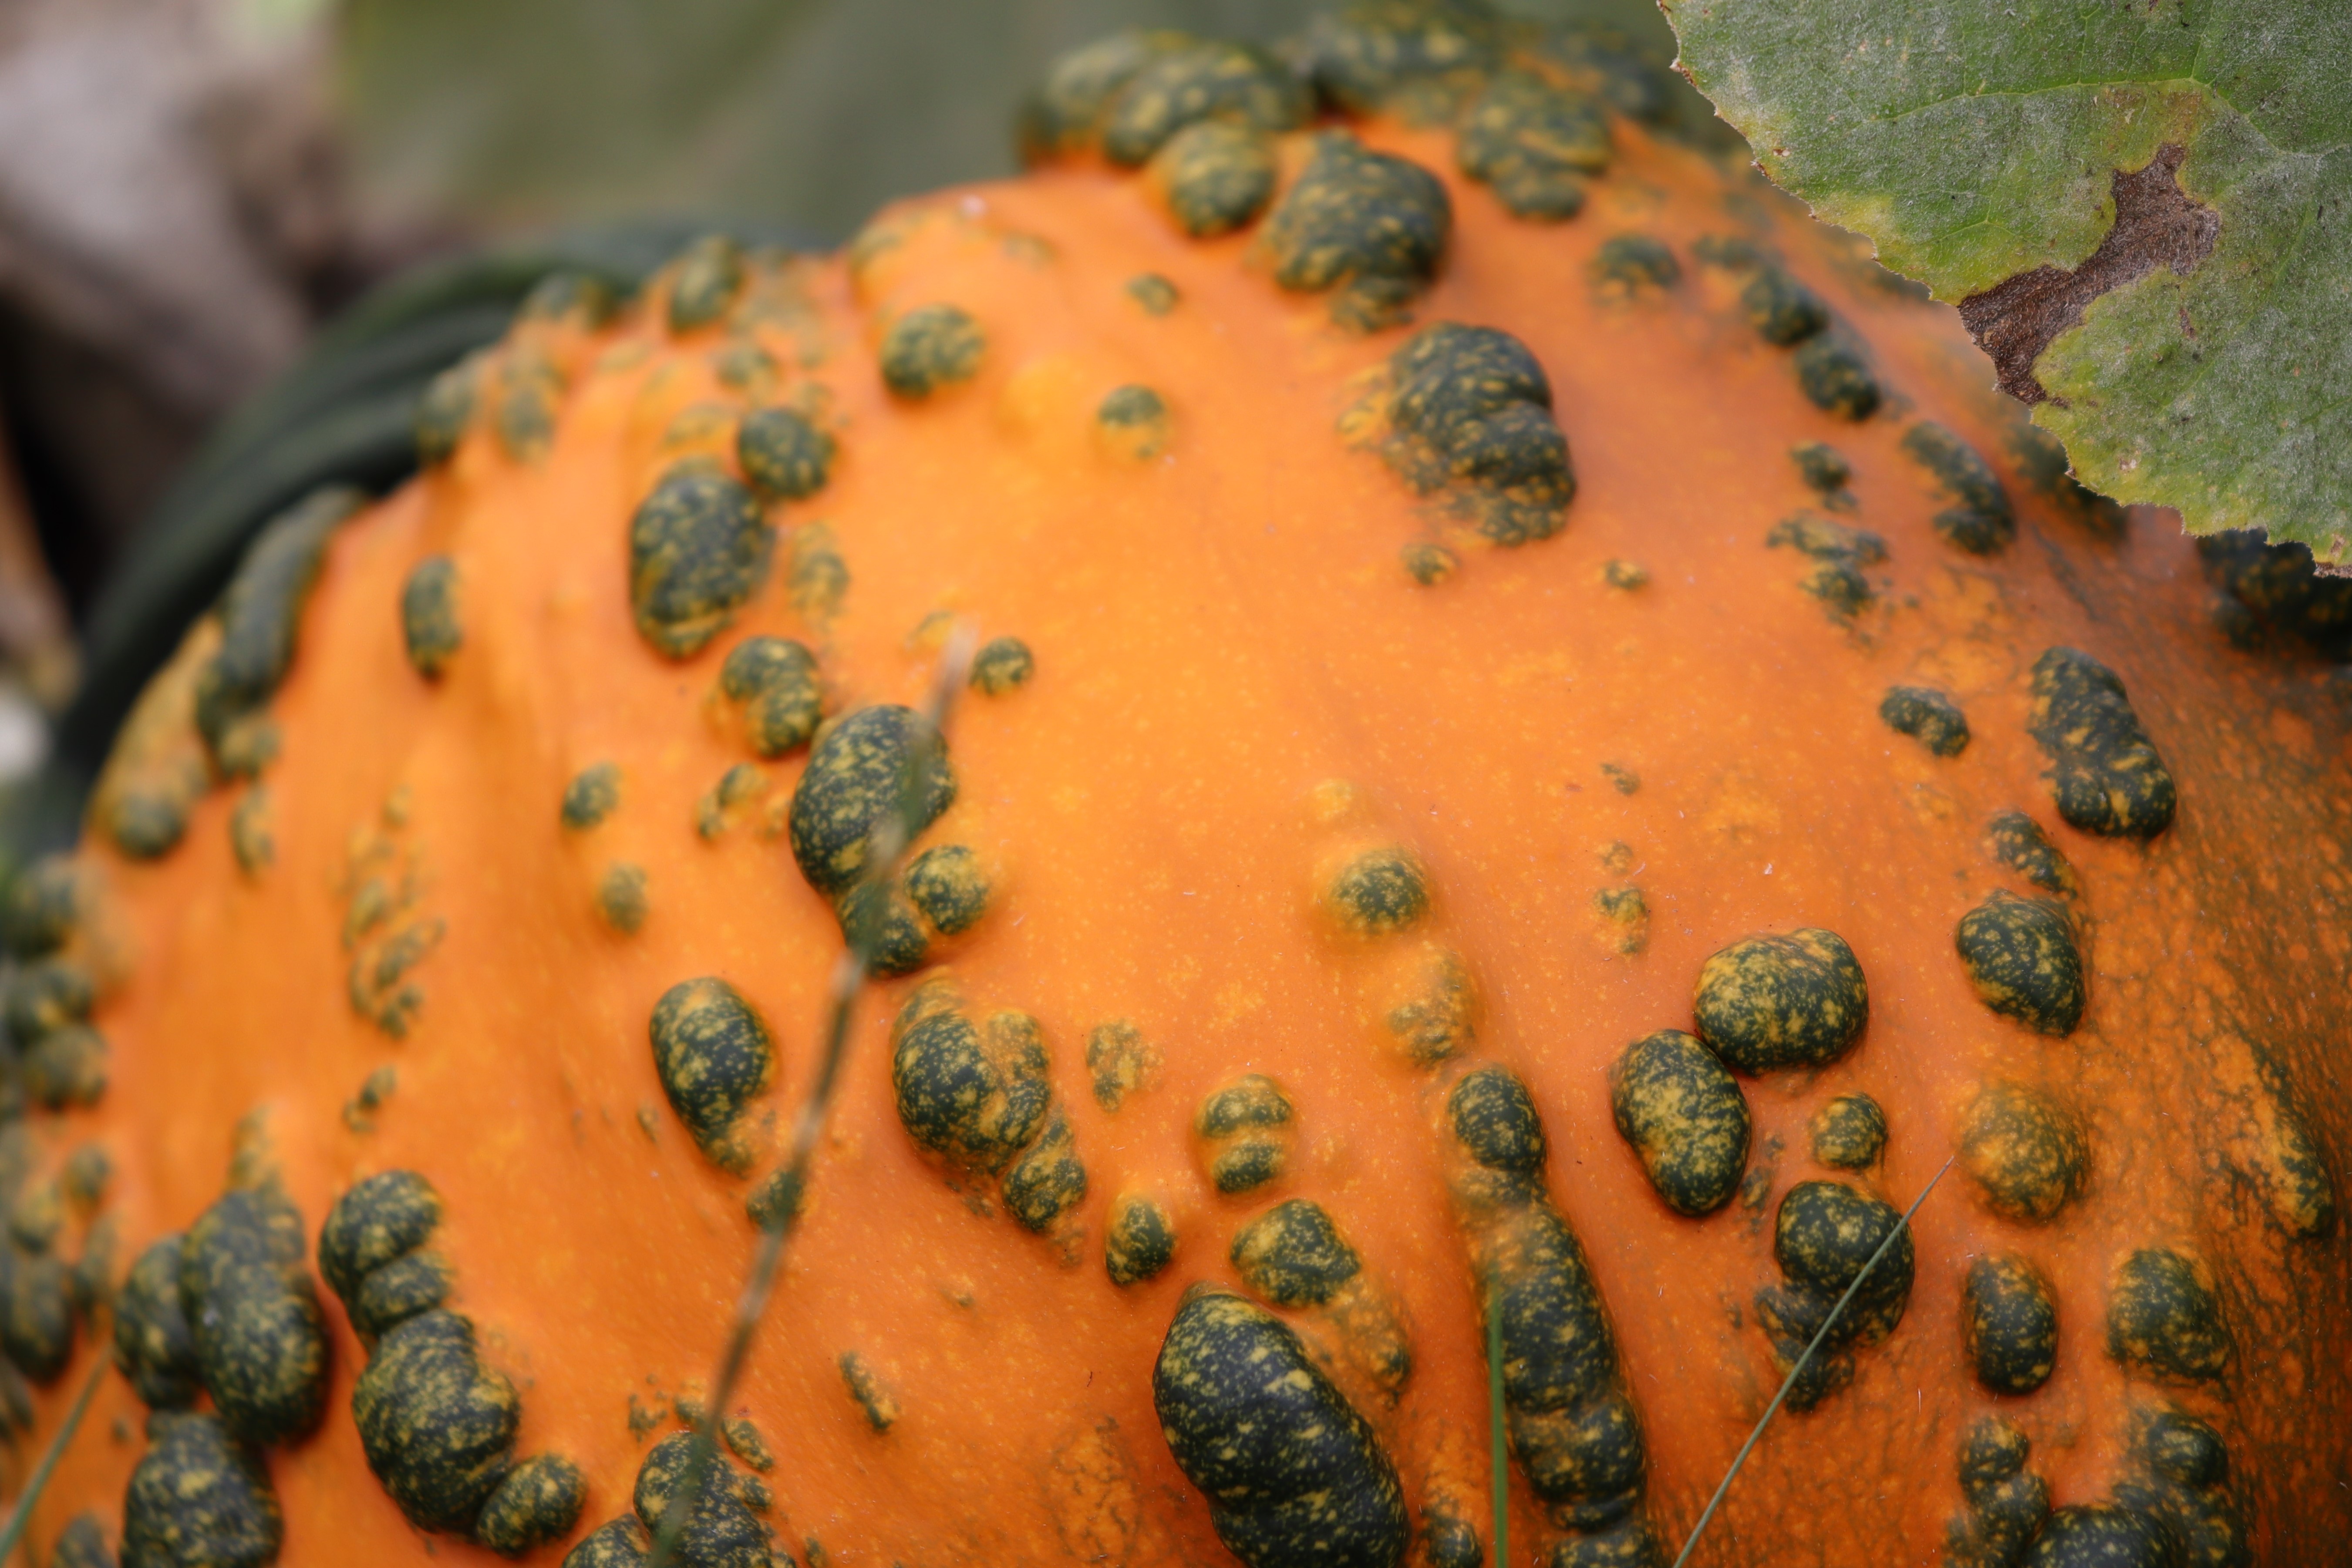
(38, 1481)
(1501, 1461)
(886, 848)
(1804, 1360)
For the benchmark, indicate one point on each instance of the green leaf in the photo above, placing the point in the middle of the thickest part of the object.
(2143, 211)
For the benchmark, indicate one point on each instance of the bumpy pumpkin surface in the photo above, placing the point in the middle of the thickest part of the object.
(1544, 747)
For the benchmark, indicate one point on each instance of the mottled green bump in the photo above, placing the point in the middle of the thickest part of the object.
(713, 1056)
(1065, 112)
(949, 888)
(260, 1339)
(1153, 292)
(260, 615)
(1494, 1117)
(777, 1201)
(86, 1174)
(37, 1328)
(1294, 1256)
(877, 762)
(1447, 1542)
(1928, 717)
(1838, 580)
(445, 409)
(65, 1067)
(928, 348)
(1247, 1128)
(716, 810)
(436, 1424)
(526, 384)
(1438, 1019)
(1536, 145)
(1428, 563)
(594, 794)
(1231, 83)
(1782, 310)
(1369, 226)
(580, 295)
(398, 1290)
(1139, 1240)
(152, 1346)
(1216, 176)
(870, 1393)
(1587, 1461)
(2026, 1153)
(539, 1501)
(47, 994)
(81, 1544)
(1119, 1062)
(1001, 665)
(1824, 1234)
(1835, 375)
(1048, 1180)
(250, 837)
(1628, 575)
(1629, 264)
(774, 680)
(2099, 1535)
(2021, 955)
(378, 1218)
(1560, 1356)
(785, 456)
(428, 615)
(1849, 1133)
(2006, 1503)
(1416, 61)
(1623, 916)
(146, 824)
(621, 900)
(698, 550)
(199, 1500)
(1470, 416)
(1821, 467)
(2017, 841)
(2163, 1317)
(722, 1532)
(1684, 1114)
(45, 903)
(816, 578)
(974, 1094)
(2009, 1324)
(1378, 891)
(616, 1544)
(1979, 520)
(2104, 772)
(1293, 1475)
(708, 276)
(1772, 1001)
(878, 922)
(2182, 1479)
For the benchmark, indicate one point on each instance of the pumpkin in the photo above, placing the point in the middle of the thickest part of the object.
(1543, 754)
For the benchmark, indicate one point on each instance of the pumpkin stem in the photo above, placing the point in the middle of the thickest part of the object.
(1797, 1371)
(886, 849)
(38, 1482)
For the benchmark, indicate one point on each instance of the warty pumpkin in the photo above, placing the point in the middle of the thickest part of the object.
(1544, 752)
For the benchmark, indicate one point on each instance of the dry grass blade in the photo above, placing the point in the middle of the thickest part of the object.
(1739, 1458)
(38, 1481)
(887, 847)
(1500, 1457)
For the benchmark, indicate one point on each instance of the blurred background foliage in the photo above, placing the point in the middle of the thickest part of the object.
(237, 235)
(811, 111)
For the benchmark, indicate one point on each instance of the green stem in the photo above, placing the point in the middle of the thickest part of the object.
(38, 1481)
(1797, 1371)
(885, 849)
(1501, 1459)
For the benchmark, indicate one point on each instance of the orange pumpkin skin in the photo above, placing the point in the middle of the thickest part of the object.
(1236, 686)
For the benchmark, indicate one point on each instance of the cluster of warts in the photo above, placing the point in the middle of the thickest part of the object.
(1465, 417)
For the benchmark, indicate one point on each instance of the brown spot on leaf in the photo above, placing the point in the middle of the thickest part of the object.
(2156, 224)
